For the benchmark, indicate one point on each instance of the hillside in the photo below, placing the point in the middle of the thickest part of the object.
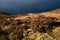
(39, 26)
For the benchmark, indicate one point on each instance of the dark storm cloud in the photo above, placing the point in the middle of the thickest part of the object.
(24, 6)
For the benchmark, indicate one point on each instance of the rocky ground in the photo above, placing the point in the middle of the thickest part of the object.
(39, 26)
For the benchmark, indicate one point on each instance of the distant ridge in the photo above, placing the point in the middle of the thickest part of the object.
(3, 13)
(55, 11)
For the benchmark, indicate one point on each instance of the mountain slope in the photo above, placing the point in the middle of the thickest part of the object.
(40, 26)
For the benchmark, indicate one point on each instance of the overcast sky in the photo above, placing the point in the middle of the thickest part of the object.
(24, 6)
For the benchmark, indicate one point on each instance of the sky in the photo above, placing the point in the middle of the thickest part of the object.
(28, 6)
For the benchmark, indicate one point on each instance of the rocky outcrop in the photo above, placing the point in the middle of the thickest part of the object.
(40, 26)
